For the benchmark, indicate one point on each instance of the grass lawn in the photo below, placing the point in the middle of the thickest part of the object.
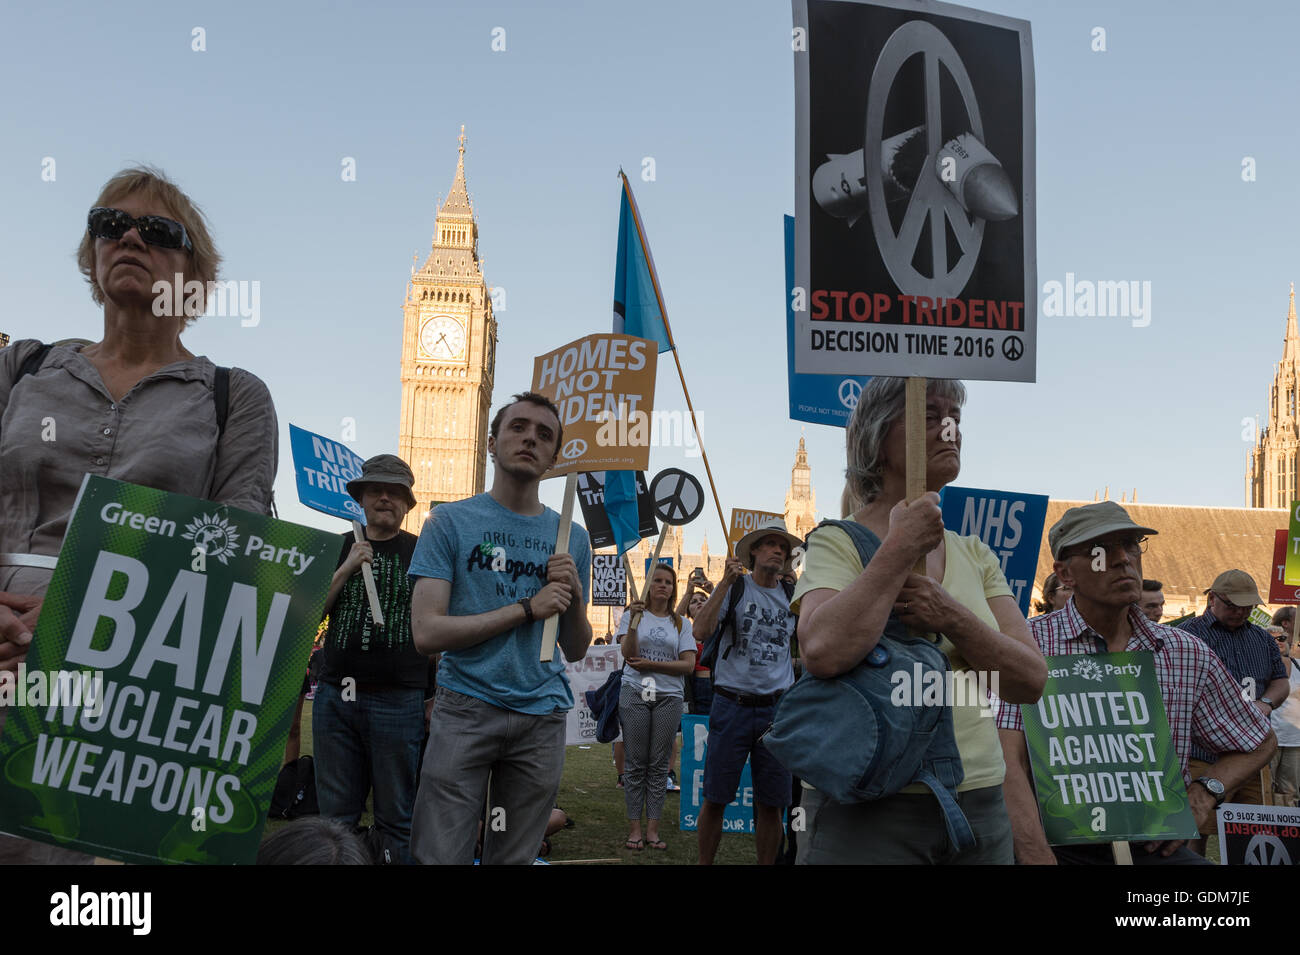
(590, 795)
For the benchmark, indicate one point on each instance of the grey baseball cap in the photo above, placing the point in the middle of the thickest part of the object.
(1079, 525)
(384, 469)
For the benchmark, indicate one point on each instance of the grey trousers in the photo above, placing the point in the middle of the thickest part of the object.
(468, 740)
(905, 829)
(649, 728)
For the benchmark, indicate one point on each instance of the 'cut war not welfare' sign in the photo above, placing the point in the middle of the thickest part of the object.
(194, 621)
(1105, 768)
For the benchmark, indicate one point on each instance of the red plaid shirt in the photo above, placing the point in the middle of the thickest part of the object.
(1202, 702)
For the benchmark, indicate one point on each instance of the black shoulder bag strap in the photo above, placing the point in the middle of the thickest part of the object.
(221, 398)
(729, 618)
(33, 363)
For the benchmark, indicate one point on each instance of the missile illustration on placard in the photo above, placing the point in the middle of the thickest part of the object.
(964, 165)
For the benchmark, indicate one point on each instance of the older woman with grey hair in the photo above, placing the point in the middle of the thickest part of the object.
(962, 600)
(136, 405)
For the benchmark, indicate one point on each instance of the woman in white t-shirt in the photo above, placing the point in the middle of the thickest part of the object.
(660, 652)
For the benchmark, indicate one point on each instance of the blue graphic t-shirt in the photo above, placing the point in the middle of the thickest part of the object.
(494, 557)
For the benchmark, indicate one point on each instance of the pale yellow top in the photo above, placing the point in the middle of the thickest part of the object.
(972, 576)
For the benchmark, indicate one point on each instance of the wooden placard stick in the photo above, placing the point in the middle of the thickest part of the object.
(914, 429)
(368, 574)
(551, 628)
(1122, 853)
(654, 562)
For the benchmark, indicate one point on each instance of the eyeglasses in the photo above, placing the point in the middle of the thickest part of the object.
(1229, 604)
(103, 223)
(1134, 546)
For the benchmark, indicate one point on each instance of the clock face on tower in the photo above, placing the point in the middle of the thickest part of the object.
(442, 338)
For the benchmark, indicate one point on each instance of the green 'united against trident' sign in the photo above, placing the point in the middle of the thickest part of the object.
(195, 620)
(1105, 767)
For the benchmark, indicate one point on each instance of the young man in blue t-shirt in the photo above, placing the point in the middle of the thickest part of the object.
(485, 579)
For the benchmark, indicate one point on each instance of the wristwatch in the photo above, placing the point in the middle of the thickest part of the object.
(1271, 705)
(1214, 786)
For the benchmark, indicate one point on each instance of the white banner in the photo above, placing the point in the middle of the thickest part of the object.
(589, 673)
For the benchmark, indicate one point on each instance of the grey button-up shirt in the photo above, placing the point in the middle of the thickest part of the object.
(60, 423)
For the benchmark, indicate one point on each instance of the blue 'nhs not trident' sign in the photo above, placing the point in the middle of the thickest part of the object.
(322, 468)
(1010, 523)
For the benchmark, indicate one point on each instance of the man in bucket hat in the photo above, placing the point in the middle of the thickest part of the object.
(1097, 550)
(1248, 652)
(368, 712)
(753, 669)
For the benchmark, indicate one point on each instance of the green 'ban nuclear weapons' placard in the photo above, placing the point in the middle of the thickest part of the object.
(181, 630)
(1105, 767)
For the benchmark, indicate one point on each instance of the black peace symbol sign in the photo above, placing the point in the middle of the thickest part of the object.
(930, 199)
(1012, 347)
(678, 497)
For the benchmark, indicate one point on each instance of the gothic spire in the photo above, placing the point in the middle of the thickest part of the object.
(1291, 349)
(458, 203)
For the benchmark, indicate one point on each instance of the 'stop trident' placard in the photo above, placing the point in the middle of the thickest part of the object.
(604, 386)
(914, 184)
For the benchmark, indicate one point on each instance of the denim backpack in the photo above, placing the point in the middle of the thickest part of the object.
(847, 738)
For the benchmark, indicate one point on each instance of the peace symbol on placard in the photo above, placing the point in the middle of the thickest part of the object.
(930, 200)
(1012, 347)
(678, 497)
(1266, 849)
(574, 448)
(850, 392)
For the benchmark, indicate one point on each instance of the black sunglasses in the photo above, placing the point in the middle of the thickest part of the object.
(156, 230)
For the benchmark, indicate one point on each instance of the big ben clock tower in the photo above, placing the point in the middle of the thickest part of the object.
(448, 356)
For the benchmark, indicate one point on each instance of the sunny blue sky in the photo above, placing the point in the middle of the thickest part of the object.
(1140, 151)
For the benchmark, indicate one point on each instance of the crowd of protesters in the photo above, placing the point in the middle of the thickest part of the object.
(450, 724)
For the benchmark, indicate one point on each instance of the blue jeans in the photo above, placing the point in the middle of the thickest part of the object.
(371, 741)
(702, 688)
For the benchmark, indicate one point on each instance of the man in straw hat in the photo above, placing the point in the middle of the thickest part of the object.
(1249, 653)
(753, 669)
(368, 712)
(1097, 550)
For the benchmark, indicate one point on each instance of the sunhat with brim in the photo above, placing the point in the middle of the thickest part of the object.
(1237, 587)
(1081, 524)
(384, 469)
(773, 526)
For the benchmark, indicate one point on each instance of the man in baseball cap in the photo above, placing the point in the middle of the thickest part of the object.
(1098, 552)
(1250, 654)
(368, 713)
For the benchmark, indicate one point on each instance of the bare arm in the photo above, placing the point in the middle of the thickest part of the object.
(434, 630)
(837, 629)
(361, 552)
(706, 621)
(1031, 846)
(684, 665)
(574, 628)
(1277, 692)
(1009, 651)
(1231, 769)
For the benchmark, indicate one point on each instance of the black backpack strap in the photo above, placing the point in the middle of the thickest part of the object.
(733, 601)
(33, 363)
(221, 398)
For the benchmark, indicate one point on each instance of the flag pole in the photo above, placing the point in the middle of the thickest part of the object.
(672, 345)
